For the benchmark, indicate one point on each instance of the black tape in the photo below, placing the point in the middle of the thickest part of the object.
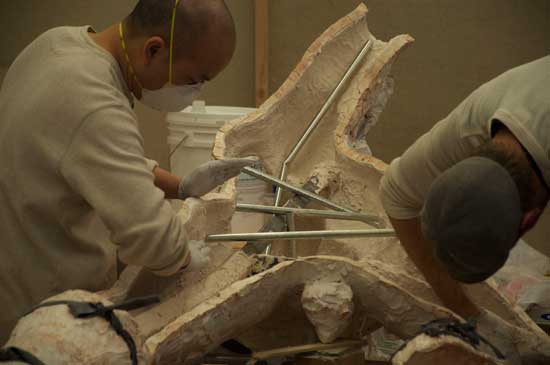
(16, 354)
(465, 331)
(83, 310)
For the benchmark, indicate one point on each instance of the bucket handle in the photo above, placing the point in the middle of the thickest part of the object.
(179, 144)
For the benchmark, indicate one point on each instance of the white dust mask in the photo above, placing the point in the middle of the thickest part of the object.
(171, 98)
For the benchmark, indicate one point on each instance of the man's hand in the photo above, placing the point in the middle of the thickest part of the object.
(420, 252)
(210, 175)
(199, 256)
(499, 334)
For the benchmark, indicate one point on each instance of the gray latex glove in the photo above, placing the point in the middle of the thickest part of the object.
(499, 333)
(210, 175)
(200, 255)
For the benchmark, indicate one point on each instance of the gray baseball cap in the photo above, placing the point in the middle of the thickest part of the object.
(472, 215)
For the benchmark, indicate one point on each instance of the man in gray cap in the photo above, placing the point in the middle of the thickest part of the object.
(465, 192)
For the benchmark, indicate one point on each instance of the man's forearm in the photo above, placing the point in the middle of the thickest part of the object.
(167, 182)
(420, 251)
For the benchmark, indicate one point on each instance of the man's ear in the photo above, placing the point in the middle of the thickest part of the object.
(152, 48)
(529, 220)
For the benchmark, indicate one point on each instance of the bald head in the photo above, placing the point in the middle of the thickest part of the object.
(203, 42)
(197, 23)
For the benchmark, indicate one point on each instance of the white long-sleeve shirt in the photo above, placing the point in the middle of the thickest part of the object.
(519, 98)
(75, 186)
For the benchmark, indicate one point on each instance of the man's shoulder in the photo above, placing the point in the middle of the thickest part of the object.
(70, 76)
(82, 72)
(58, 41)
(72, 48)
(65, 53)
(526, 76)
(534, 69)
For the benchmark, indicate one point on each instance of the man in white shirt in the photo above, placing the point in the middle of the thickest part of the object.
(75, 187)
(464, 193)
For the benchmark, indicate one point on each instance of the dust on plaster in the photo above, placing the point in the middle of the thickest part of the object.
(426, 344)
(329, 307)
(375, 104)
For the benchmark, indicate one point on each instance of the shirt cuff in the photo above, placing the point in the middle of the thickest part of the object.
(182, 260)
(151, 164)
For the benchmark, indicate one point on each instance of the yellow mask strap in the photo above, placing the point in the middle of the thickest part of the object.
(123, 42)
(172, 27)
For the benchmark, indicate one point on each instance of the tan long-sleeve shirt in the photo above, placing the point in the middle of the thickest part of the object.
(75, 186)
(519, 98)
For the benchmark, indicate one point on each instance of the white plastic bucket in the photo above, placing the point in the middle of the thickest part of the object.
(192, 133)
(249, 191)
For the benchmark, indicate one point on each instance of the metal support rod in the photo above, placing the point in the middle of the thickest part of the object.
(315, 213)
(281, 184)
(313, 125)
(300, 235)
(292, 227)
